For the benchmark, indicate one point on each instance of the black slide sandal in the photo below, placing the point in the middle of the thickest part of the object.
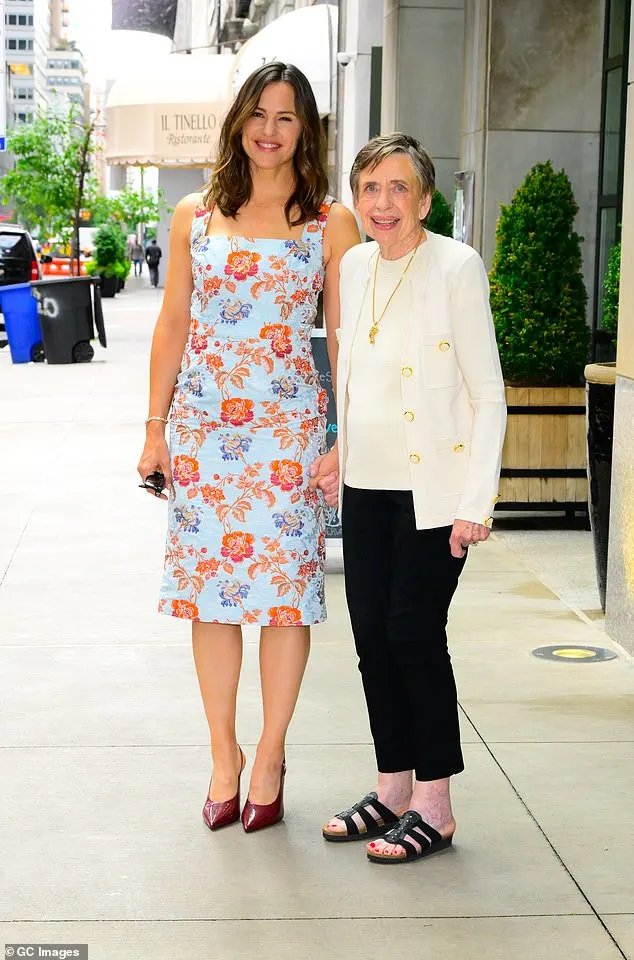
(412, 827)
(373, 827)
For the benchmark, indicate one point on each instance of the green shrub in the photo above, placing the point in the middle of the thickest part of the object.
(440, 217)
(538, 296)
(110, 247)
(611, 281)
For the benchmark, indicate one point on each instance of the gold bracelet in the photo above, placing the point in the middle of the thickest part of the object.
(149, 420)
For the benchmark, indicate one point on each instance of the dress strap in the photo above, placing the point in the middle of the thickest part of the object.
(319, 224)
(200, 221)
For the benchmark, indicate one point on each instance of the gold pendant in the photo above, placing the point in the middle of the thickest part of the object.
(373, 332)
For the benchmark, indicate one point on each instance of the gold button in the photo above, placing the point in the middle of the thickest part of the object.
(444, 345)
(458, 447)
(414, 458)
(407, 371)
(488, 521)
(496, 498)
(409, 415)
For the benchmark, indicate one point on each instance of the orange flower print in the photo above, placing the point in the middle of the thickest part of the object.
(185, 609)
(211, 285)
(280, 336)
(208, 568)
(236, 411)
(238, 546)
(286, 474)
(186, 471)
(322, 402)
(211, 494)
(284, 616)
(242, 264)
(198, 343)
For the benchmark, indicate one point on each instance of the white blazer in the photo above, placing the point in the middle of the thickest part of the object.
(451, 381)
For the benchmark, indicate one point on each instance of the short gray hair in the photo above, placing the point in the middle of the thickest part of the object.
(380, 148)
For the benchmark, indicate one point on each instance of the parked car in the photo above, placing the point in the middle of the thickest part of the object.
(18, 261)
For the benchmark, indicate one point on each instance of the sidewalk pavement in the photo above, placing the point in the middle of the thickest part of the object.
(104, 750)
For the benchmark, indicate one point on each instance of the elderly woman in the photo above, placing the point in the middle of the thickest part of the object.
(421, 423)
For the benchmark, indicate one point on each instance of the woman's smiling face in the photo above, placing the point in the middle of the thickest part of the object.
(390, 203)
(270, 135)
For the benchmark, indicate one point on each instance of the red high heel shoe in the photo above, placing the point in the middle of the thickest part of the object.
(256, 816)
(220, 813)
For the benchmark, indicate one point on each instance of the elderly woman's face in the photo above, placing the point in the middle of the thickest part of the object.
(390, 203)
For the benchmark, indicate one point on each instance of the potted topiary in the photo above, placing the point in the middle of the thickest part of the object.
(600, 388)
(538, 300)
(440, 217)
(109, 254)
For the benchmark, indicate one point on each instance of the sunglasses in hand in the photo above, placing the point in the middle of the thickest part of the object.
(154, 482)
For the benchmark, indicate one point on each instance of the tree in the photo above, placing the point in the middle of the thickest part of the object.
(440, 217)
(132, 207)
(52, 178)
(611, 284)
(538, 296)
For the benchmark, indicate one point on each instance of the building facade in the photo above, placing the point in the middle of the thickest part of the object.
(66, 80)
(27, 24)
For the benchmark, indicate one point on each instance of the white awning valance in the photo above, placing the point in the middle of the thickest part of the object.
(306, 38)
(171, 115)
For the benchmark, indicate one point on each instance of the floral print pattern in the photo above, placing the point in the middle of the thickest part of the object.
(246, 534)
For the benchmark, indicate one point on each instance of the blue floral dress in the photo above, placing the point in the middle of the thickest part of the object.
(246, 535)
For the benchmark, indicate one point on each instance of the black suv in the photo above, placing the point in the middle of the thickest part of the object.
(18, 260)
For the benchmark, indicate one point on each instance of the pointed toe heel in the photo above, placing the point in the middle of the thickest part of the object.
(222, 813)
(257, 816)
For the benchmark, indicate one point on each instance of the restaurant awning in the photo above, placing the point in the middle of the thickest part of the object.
(307, 38)
(171, 114)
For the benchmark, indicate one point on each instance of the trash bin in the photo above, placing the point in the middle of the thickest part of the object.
(21, 321)
(69, 309)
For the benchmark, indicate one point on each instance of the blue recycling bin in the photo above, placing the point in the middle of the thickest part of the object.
(22, 323)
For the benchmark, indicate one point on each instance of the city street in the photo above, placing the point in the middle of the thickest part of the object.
(104, 753)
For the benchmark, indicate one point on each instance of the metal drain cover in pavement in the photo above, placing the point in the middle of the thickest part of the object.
(576, 654)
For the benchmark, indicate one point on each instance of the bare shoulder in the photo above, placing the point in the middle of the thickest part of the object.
(188, 205)
(340, 216)
(341, 232)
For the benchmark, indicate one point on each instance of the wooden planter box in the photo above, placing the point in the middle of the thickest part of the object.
(544, 457)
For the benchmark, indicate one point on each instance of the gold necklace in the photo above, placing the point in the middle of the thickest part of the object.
(374, 329)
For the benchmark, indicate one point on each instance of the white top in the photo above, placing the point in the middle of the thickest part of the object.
(374, 420)
(452, 391)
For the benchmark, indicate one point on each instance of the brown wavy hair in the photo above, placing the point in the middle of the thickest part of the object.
(231, 187)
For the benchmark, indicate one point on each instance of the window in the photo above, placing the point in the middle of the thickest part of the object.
(12, 44)
(11, 19)
(615, 59)
(21, 44)
(22, 20)
(30, 19)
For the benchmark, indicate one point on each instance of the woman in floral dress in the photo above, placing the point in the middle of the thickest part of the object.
(232, 363)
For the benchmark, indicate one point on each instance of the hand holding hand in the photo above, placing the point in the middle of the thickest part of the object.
(465, 534)
(324, 475)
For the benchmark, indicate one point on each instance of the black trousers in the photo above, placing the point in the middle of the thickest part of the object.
(399, 584)
(154, 274)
